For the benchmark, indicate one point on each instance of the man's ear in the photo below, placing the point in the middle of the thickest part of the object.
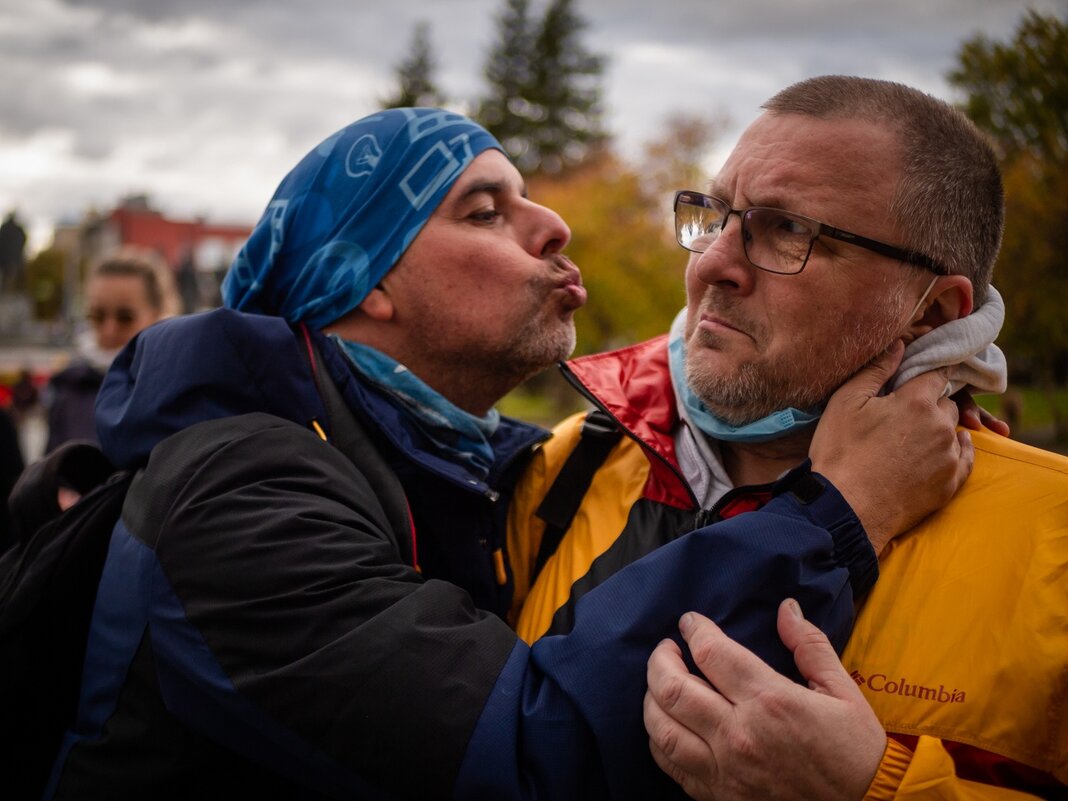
(950, 299)
(378, 305)
(357, 324)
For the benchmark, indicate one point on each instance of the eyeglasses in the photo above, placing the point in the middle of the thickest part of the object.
(774, 240)
(123, 316)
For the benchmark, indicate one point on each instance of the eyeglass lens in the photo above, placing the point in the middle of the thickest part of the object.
(774, 240)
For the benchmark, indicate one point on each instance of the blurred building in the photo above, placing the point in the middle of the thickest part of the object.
(198, 251)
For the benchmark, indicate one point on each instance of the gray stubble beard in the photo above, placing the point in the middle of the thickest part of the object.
(757, 389)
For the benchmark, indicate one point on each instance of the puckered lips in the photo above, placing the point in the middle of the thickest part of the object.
(569, 281)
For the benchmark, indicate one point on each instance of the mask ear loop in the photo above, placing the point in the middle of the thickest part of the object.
(916, 308)
(923, 297)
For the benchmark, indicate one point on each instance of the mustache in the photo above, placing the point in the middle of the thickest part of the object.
(562, 263)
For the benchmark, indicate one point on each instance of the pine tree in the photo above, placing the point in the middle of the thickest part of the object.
(504, 109)
(415, 74)
(544, 93)
(565, 90)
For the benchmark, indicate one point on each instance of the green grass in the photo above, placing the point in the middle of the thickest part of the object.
(1036, 410)
(526, 406)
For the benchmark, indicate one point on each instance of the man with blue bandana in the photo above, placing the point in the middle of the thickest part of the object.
(306, 595)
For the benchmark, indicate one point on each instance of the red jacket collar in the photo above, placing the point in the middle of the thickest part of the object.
(633, 385)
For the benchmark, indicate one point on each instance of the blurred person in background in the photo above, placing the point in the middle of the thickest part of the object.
(10, 468)
(24, 396)
(12, 254)
(125, 293)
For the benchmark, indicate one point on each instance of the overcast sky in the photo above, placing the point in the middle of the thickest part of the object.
(206, 104)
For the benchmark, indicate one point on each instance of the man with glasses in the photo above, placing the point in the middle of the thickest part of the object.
(852, 214)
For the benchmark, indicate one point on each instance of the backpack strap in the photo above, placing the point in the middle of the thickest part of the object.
(599, 435)
(350, 437)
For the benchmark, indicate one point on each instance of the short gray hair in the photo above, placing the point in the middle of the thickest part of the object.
(950, 203)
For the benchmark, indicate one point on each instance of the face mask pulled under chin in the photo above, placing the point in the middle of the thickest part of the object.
(697, 414)
(773, 426)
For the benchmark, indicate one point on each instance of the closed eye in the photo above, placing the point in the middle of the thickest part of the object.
(485, 215)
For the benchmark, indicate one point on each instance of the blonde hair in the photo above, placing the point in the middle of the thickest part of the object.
(153, 271)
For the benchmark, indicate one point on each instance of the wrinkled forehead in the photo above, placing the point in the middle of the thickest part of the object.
(817, 167)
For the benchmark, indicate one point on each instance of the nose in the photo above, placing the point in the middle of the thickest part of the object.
(550, 233)
(724, 262)
(109, 334)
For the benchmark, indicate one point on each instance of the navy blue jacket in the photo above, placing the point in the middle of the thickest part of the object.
(266, 627)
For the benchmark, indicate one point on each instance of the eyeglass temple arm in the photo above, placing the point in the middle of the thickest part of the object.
(883, 249)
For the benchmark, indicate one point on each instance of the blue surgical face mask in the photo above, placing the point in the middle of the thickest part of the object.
(775, 425)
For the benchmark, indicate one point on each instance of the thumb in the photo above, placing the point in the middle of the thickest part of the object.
(873, 377)
(813, 653)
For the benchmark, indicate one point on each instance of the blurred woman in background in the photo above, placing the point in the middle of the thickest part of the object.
(124, 294)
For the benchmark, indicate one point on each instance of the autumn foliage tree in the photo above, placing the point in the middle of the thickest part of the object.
(1017, 92)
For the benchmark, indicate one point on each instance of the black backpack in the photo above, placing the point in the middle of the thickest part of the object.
(48, 584)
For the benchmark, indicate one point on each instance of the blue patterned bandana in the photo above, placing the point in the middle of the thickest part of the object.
(456, 435)
(344, 215)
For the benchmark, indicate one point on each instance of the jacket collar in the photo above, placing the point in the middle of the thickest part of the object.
(633, 385)
(512, 440)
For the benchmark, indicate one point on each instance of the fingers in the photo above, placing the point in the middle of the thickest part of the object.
(995, 424)
(735, 671)
(813, 653)
(681, 713)
(969, 410)
(975, 417)
(961, 454)
(967, 457)
(672, 743)
(690, 782)
(681, 695)
(950, 409)
(930, 386)
(972, 416)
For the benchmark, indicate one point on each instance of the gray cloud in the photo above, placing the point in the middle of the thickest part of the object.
(206, 103)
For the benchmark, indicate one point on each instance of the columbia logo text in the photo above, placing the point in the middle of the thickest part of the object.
(881, 683)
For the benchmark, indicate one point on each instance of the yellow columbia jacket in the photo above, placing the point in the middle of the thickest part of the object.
(961, 648)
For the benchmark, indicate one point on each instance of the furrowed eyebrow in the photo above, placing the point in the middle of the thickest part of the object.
(774, 202)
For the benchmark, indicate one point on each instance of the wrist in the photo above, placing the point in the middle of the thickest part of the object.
(820, 500)
(889, 772)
